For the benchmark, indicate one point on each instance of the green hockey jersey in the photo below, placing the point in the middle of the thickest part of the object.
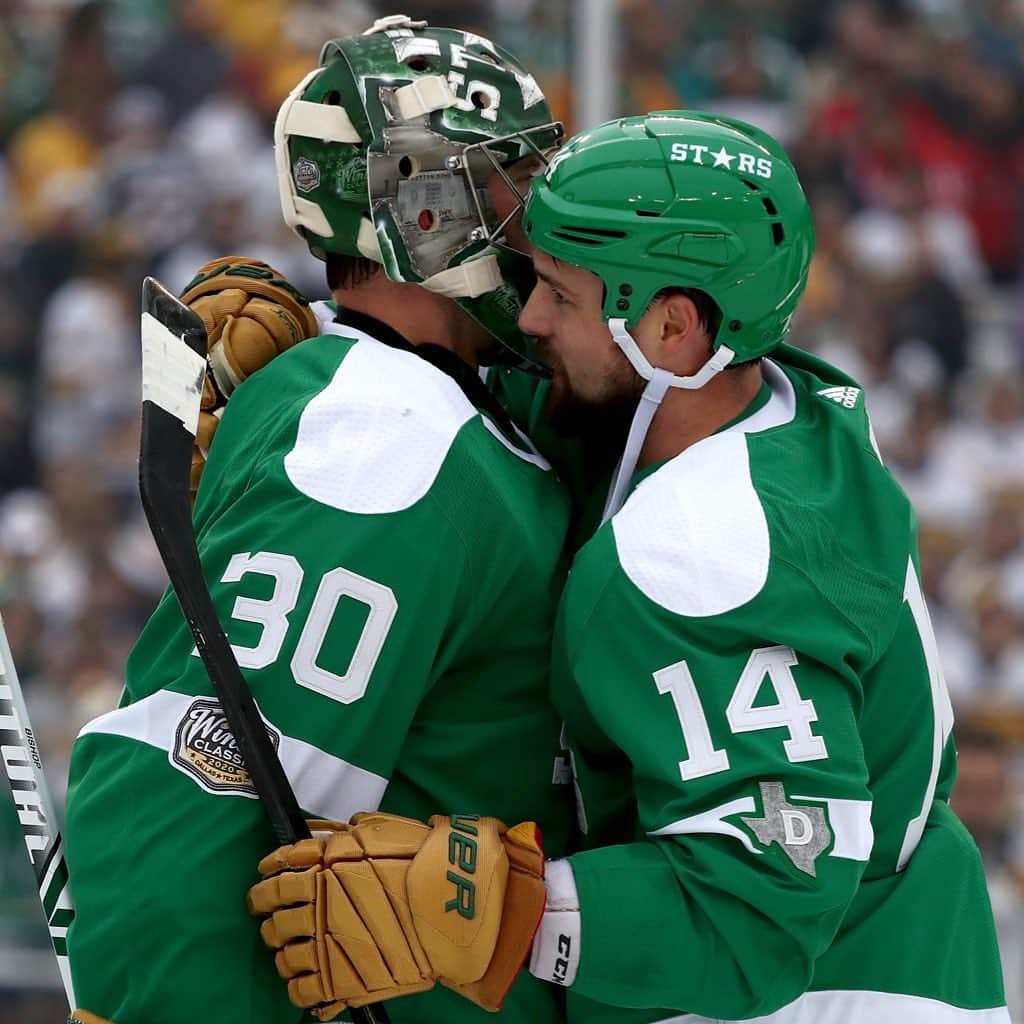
(761, 742)
(387, 565)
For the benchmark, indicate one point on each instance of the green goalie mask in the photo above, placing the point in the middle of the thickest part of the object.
(385, 150)
(687, 200)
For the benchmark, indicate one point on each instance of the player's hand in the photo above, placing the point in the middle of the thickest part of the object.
(386, 906)
(210, 410)
(251, 314)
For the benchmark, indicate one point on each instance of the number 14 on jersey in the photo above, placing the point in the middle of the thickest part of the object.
(790, 711)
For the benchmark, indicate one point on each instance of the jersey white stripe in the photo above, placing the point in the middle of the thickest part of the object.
(843, 1007)
(850, 821)
(777, 411)
(374, 440)
(851, 826)
(693, 537)
(942, 709)
(712, 823)
(326, 786)
(527, 454)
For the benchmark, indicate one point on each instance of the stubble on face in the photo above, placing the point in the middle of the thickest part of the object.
(593, 388)
(604, 410)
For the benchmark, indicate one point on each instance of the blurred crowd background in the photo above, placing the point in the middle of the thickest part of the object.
(135, 138)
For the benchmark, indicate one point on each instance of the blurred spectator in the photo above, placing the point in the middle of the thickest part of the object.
(189, 64)
(754, 78)
(984, 799)
(88, 362)
(147, 197)
(649, 75)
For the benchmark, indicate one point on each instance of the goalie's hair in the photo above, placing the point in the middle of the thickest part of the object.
(346, 272)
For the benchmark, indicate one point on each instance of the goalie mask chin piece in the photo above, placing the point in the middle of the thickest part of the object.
(658, 383)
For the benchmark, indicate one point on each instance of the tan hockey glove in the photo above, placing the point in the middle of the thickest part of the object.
(85, 1017)
(386, 906)
(251, 314)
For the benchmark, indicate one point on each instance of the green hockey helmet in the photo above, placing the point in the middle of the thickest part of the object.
(682, 199)
(678, 199)
(385, 150)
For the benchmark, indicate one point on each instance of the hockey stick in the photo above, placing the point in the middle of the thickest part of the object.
(173, 365)
(35, 812)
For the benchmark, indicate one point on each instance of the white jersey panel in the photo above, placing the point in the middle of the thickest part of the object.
(863, 1008)
(693, 536)
(374, 440)
(326, 786)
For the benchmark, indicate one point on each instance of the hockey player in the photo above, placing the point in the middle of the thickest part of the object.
(382, 546)
(743, 658)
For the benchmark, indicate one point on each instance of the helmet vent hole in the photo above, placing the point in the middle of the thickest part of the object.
(648, 213)
(584, 235)
(769, 206)
(333, 98)
(419, 63)
(578, 239)
(406, 167)
(599, 232)
(480, 99)
(777, 233)
(753, 186)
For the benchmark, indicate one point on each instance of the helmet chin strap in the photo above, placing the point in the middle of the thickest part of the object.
(658, 383)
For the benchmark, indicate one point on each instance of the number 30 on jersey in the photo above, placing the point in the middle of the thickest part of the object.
(272, 615)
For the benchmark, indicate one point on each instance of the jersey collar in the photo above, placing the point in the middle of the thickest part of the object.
(773, 409)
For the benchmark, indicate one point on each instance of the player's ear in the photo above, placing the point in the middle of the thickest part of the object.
(682, 340)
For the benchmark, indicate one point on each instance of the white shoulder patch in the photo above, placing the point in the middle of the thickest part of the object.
(693, 536)
(375, 438)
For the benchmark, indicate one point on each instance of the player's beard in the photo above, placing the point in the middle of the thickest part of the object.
(603, 422)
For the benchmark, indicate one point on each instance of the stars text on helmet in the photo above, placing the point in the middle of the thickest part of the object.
(694, 153)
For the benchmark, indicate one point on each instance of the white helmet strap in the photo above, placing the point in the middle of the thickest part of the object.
(658, 383)
(718, 362)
